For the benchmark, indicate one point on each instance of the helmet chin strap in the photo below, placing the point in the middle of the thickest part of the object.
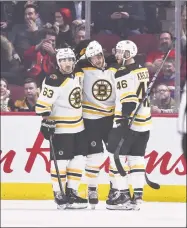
(123, 63)
(126, 59)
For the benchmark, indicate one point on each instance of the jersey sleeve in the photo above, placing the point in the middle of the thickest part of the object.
(126, 92)
(47, 97)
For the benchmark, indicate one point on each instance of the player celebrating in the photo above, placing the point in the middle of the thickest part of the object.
(60, 104)
(131, 82)
(98, 111)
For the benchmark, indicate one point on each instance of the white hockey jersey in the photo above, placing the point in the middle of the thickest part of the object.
(61, 100)
(182, 113)
(98, 92)
(131, 84)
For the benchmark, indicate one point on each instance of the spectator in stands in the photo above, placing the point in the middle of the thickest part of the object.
(77, 8)
(39, 22)
(168, 75)
(63, 20)
(46, 10)
(152, 22)
(7, 9)
(11, 68)
(123, 18)
(25, 35)
(40, 59)
(78, 31)
(162, 102)
(154, 59)
(12, 12)
(7, 104)
(31, 95)
(62, 27)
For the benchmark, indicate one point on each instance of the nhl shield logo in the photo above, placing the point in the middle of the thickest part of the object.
(60, 152)
(93, 143)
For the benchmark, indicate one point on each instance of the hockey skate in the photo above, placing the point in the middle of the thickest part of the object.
(136, 201)
(118, 200)
(60, 200)
(93, 197)
(74, 201)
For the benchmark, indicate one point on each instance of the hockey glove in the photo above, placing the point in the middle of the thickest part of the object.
(47, 128)
(116, 134)
(122, 123)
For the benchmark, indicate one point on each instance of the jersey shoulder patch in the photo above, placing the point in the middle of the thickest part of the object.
(53, 76)
(53, 80)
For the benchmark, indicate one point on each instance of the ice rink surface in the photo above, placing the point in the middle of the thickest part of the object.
(43, 213)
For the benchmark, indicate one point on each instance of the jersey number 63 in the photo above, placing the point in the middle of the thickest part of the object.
(48, 92)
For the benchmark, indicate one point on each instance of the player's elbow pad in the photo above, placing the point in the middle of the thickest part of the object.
(128, 108)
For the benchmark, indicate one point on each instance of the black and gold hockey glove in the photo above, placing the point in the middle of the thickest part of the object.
(47, 128)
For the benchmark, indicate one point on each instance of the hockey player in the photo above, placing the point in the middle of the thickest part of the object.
(182, 120)
(98, 111)
(60, 104)
(131, 82)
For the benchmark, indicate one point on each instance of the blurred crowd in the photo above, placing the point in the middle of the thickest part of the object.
(32, 31)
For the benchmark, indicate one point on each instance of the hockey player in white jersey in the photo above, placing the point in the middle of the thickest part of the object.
(60, 104)
(182, 119)
(131, 82)
(98, 111)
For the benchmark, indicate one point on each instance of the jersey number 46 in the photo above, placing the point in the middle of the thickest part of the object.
(141, 91)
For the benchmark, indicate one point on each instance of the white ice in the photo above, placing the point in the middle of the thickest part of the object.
(43, 213)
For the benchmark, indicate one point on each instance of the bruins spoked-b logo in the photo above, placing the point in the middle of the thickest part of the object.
(75, 98)
(102, 90)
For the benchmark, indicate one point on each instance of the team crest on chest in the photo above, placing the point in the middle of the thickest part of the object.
(102, 90)
(75, 98)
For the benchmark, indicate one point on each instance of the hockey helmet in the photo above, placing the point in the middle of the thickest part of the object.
(93, 49)
(65, 53)
(128, 48)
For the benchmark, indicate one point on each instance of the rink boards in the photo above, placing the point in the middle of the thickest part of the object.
(25, 162)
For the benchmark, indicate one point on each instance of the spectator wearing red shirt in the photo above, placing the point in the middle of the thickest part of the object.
(41, 58)
(27, 34)
(154, 59)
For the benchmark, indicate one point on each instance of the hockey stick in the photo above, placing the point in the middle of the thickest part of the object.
(117, 151)
(56, 165)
